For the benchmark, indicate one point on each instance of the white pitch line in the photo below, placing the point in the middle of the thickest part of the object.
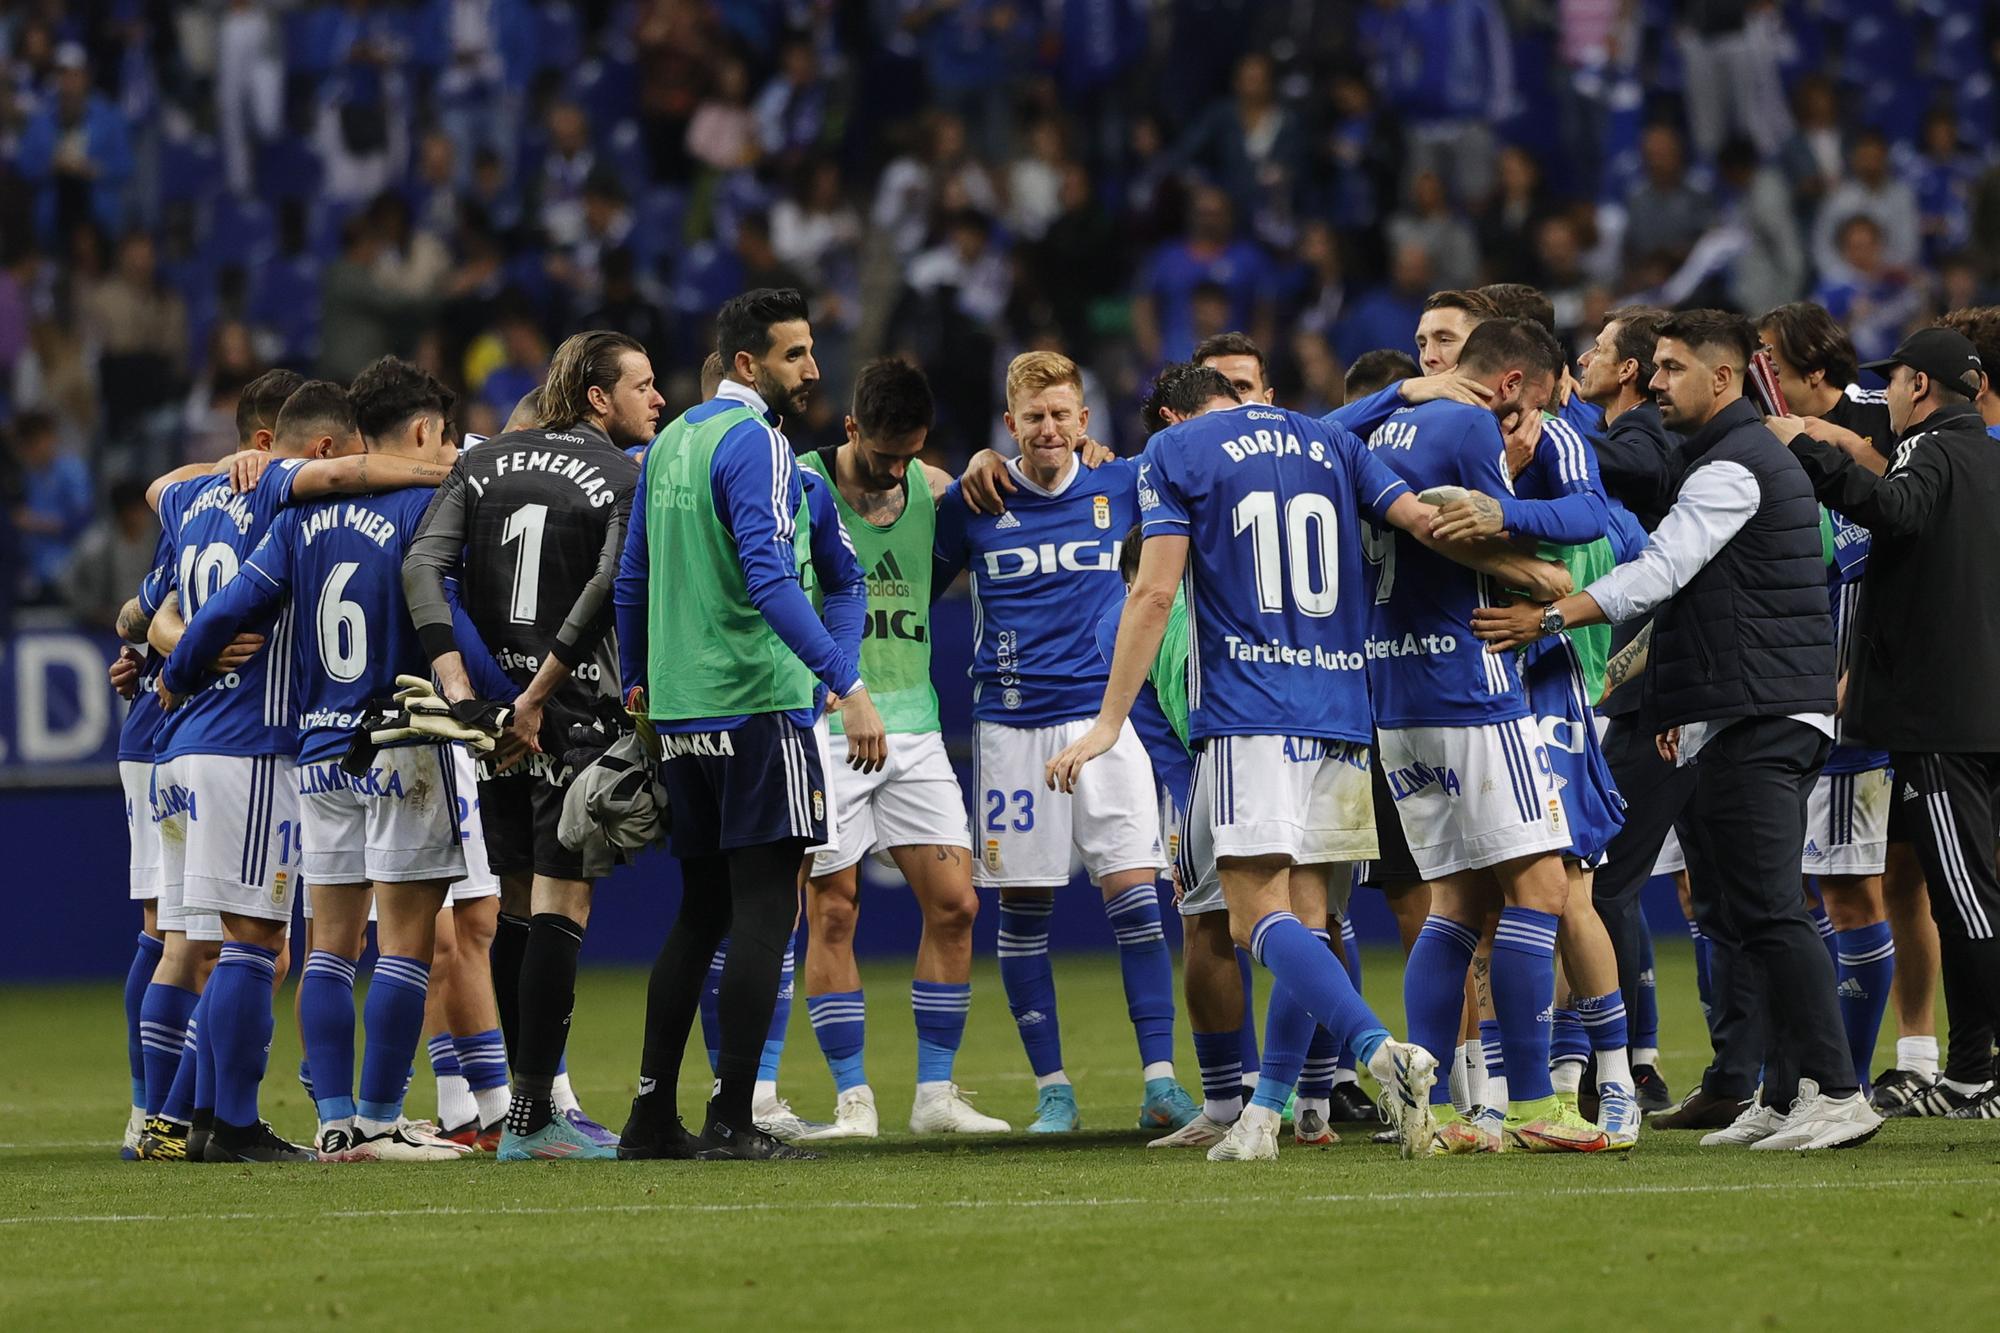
(910, 1206)
(60, 1143)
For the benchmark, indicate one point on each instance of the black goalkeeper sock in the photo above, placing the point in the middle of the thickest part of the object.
(673, 993)
(510, 942)
(763, 890)
(548, 994)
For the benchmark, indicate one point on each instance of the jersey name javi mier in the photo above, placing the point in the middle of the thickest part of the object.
(1273, 505)
(1424, 666)
(1043, 574)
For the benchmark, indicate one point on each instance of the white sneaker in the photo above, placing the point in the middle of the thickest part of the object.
(1618, 1116)
(1407, 1072)
(1756, 1123)
(135, 1125)
(412, 1141)
(1200, 1132)
(339, 1142)
(777, 1118)
(853, 1118)
(1253, 1138)
(1818, 1121)
(941, 1108)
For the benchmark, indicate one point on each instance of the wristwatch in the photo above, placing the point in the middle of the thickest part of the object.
(1552, 620)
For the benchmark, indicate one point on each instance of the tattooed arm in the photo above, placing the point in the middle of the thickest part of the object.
(1627, 662)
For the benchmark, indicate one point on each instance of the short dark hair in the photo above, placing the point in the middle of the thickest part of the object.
(1185, 388)
(1517, 300)
(1715, 330)
(1455, 298)
(1512, 344)
(1980, 325)
(1638, 335)
(1128, 552)
(1378, 370)
(389, 391)
(319, 407)
(744, 322)
(590, 360)
(1811, 339)
(892, 399)
(1230, 344)
(257, 406)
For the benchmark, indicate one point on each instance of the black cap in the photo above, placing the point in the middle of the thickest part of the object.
(1945, 355)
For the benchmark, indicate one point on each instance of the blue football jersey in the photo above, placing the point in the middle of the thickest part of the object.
(213, 530)
(340, 563)
(1843, 585)
(1043, 574)
(1173, 766)
(139, 733)
(1424, 666)
(1272, 504)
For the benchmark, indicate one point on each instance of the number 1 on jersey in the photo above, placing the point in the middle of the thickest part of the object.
(1309, 553)
(525, 525)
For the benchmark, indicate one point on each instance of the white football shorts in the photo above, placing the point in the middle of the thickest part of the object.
(396, 824)
(823, 742)
(1300, 797)
(1026, 832)
(141, 835)
(479, 881)
(229, 838)
(1472, 797)
(1671, 860)
(1847, 823)
(914, 800)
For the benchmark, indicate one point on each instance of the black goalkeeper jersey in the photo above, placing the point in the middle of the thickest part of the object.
(531, 523)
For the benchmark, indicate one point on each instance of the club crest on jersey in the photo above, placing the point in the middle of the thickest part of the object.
(1100, 511)
(278, 889)
(819, 807)
(993, 853)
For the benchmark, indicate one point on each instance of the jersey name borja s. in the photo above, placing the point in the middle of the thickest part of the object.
(340, 564)
(1424, 667)
(1043, 574)
(248, 711)
(1271, 503)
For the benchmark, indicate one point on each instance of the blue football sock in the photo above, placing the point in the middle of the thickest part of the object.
(1604, 1026)
(482, 1058)
(1568, 1042)
(1490, 1050)
(444, 1057)
(940, 1008)
(238, 1029)
(1148, 969)
(394, 1019)
(326, 1027)
(711, 1002)
(1702, 985)
(177, 1103)
(163, 1025)
(1867, 966)
(203, 1089)
(1302, 964)
(1288, 1031)
(1219, 1055)
(1323, 1055)
(1644, 1002)
(839, 1022)
(1824, 926)
(1350, 951)
(781, 1017)
(1246, 1035)
(1028, 980)
(139, 980)
(1524, 985)
(1434, 991)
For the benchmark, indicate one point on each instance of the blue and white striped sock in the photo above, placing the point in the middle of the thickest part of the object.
(163, 1025)
(1148, 970)
(138, 981)
(455, 1101)
(394, 1020)
(839, 1023)
(1524, 985)
(1304, 966)
(237, 1029)
(1434, 991)
(1603, 1018)
(1030, 983)
(1220, 1057)
(326, 1026)
(1323, 1056)
(1867, 966)
(482, 1058)
(940, 1008)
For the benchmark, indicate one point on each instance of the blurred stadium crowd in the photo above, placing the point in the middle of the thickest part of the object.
(192, 192)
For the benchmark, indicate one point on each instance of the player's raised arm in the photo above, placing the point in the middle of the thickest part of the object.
(434, 554)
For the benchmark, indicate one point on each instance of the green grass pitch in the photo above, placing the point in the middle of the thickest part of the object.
(1090, 1232)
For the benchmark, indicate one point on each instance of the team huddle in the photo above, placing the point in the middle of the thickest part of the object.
(1273, 660)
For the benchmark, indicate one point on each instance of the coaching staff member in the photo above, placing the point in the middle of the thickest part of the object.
(1742, 677)
(1926, 644)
